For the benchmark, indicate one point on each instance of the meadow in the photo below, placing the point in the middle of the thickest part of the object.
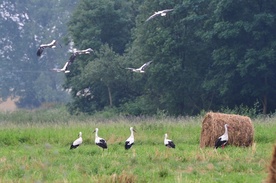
(35, 148)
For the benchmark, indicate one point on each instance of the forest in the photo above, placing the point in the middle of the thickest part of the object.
(206, 55)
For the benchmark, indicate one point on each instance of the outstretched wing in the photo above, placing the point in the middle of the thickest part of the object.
(152, 16)
(129, 68)
(145, 65)
(167, 10)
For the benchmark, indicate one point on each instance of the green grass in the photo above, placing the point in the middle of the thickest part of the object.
(39, 152)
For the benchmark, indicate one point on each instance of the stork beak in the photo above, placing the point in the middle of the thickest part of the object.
(134, 130)
(94, 131)
(60, 45)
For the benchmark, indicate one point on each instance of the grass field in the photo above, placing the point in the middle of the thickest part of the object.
(36, 151)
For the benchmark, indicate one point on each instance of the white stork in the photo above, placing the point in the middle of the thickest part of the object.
(130, 140)
(99, 141)
(162, 13)
(140, 69)
(169, 143)
(77, 142)
(223, 139)
(42, 46)
(72, 59)
(64, 69)
(86, 51)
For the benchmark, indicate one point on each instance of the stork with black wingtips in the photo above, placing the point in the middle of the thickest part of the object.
(100, 141)
(43, 46)
(77, 142)
(130, 141)
(140, 69)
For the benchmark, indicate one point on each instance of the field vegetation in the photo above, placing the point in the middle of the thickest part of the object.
(35, 148)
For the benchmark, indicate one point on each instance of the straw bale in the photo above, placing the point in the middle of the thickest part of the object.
(272, 168)
(241, 132)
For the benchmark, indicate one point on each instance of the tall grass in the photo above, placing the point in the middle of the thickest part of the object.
(35, 148)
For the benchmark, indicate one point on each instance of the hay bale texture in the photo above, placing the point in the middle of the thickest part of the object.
(241, 134)
(272, 168)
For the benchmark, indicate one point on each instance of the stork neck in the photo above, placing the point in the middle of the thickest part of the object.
(226, 130)
(131, 133)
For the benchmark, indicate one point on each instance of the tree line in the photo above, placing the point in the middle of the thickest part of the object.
(207, 55)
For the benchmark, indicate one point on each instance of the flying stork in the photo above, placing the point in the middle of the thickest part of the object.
(72, 59)
(42, 46)
(140, 69)
(162, 13)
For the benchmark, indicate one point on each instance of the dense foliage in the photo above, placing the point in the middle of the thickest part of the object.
(207, 55)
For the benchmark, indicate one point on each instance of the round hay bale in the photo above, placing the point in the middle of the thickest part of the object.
(272, 168)
(240, 134)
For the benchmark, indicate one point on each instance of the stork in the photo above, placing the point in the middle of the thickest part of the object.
(72, 59)
(161, 13)
(223, 139)
(99, 141)
(140, 69)
(64, 69)
(130, 140)
(77, 142)
(168, 143)
(42, 46)
(86, 51)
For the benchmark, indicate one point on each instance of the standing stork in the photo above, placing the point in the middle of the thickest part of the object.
(223, 139)
(77, 142)
(140, 69)
(42, 46)
(130, 140)
(168, 143)
(162, 13)
(99, 141)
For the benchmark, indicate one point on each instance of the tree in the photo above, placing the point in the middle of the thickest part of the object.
(243, 35)
(174, 82)
(105, 26)
(25, 25)
(105, 79)
(103, 22)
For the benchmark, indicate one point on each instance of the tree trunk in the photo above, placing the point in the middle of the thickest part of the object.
(265, 98)
(264, 104)
(109, 96)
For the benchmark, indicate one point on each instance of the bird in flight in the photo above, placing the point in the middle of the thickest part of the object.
(72, 59)
(162, 13)
(86, 51)
(43, 46)
(64, 69)
(140, 69)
